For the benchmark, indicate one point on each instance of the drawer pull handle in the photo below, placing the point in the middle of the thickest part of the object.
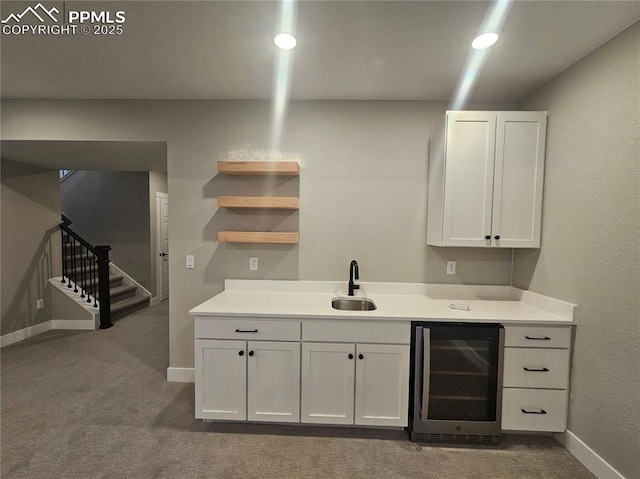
(246, 330)
(541, 411)
(538, 338)
(536, 370)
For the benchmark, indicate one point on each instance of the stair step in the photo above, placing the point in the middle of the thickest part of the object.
(121, 292)
(114, 280)
(129, 305)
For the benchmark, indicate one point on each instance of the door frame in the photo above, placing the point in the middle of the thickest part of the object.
(158, 265)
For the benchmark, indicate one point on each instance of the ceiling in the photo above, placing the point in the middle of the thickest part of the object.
(346, 50)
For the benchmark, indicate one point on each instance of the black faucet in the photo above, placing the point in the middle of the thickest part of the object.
(353, 274)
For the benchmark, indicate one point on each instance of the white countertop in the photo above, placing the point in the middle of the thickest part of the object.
(311, 300)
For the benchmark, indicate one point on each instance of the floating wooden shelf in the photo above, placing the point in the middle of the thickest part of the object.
(286, 168)
(257, 237)
(270, 202)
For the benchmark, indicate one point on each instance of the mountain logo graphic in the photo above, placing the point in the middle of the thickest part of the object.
(39, 11)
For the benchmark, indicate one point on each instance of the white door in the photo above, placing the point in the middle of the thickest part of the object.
(327, 383)
(162, 213)
(519, 175)
(382, 385)
(221, 379)
(273, 381)
(469, 160)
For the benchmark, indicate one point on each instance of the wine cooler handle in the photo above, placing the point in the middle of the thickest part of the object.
(426, 371)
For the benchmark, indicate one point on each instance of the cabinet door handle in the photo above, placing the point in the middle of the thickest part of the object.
(246, 330)
(487, 237)
(251, 353)
(541, 411)
(497, 237)
(360, 356)
(538, 338)
(350, 356)
(240, 353)
(536, 370)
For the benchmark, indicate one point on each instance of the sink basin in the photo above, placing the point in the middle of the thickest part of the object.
(353, 304)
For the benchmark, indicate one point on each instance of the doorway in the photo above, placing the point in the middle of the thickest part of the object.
(162, 245)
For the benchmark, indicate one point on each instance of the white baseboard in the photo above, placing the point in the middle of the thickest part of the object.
(88, 324)
(155, 301)
(25, 333)
(181, 375)
(587, 456)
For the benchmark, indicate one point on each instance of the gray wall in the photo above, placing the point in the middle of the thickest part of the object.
(362, 189)
(30, 244)
(590, 251)
(112, 208)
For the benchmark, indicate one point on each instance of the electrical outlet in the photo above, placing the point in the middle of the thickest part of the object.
(191, 261)
(40, 304)
(253, 264)
(451, 267)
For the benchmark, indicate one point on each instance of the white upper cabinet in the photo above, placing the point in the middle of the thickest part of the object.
(486, 172)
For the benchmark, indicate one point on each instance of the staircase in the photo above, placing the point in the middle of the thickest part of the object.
(85, 266)
(124, 298)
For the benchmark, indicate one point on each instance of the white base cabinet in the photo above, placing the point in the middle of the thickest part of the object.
(247, 380)
(328, 383)
(352, 375)
(361, 384)
(536, 378)
(315, 372)
(221, 391)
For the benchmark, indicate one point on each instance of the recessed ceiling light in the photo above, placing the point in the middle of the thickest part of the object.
(484, 41)
(286, 41)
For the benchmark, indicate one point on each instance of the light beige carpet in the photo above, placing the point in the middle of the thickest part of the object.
(97, 405)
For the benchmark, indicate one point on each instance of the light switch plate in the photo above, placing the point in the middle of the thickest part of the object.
(191, 261)
(40, 304)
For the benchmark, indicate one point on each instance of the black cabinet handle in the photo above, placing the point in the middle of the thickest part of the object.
(536, 370)
(251, 353)
(497, 237)
(541, 411)
(538, 338)
(488, 237)
(240, 353)
(350, 356)
(360, 356)
(246, 330)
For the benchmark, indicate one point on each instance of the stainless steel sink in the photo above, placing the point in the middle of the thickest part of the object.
(353, 304)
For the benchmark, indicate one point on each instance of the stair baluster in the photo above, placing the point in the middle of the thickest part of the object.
(87, 267)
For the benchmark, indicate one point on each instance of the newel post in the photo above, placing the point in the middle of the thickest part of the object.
(104, 293)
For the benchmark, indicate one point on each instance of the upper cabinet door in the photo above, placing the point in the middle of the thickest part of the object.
(486, 172)
(519, 174)
(470, 152)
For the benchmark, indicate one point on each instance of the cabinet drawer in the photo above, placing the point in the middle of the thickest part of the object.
(247, 329)
(536, 368)
(537, 336)
(356, 332)
(534, 410)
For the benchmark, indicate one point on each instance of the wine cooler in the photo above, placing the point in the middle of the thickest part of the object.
(456, 382)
